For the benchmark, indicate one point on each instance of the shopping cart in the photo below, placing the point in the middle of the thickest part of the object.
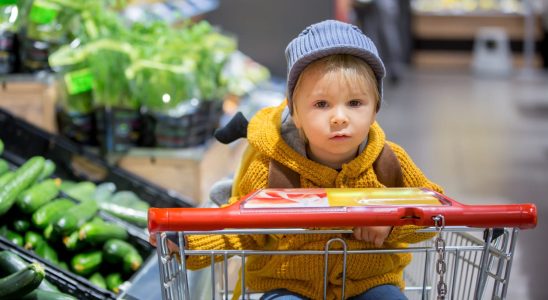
(471, 257)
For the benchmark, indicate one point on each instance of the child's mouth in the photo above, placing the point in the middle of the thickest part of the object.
(339, 137)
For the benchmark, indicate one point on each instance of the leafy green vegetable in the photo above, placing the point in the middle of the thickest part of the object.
(160, 87)
(74, 79)
(108, 60)
(146, 64)
(8, 16)
(50, 20)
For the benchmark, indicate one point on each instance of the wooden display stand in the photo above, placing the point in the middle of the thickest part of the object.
(190, 172)
(29, 99)
(447, 27)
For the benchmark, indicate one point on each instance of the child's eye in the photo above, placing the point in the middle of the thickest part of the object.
(320, 104)
(354, 103)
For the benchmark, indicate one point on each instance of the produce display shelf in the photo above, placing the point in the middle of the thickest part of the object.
(23, 140)
(70, 283)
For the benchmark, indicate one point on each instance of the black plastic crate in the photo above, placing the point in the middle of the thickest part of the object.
(118, 129)
(190, 129)
(67, 281)
(7, 52)
(78, 127)
(23, 140)
(71, 283)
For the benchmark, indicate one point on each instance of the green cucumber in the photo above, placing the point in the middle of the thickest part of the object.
(97, 220)
(11, 236)
(98, 280)
(121, 251)
(81, 191)
(75, 217)
(6, 177)
(104, 191)
(11, 263)
(114, 281)
(96, 233)
(45, 251)
(72, 242)
(87, 262)
(49, 233)
(47, 171)
(125, 205)
(33, 239)
(51, 212)
(21, 225)
(4, 166)
(39, 194)
(24, 176)
(47, 295)
(134, 216)
(22, 282)
(1, 147)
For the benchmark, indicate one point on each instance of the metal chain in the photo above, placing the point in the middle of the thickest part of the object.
(441, 265)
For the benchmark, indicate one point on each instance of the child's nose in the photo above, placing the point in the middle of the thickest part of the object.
(339, 117)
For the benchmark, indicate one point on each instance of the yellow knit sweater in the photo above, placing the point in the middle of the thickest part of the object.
(304, 274)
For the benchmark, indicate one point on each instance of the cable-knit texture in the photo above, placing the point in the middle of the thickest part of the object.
(304, 274)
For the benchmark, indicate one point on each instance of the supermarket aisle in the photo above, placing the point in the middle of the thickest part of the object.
(485, 141)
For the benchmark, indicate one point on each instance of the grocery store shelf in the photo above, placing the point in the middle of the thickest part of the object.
(459, 60)
(465, 26)
(170, 11)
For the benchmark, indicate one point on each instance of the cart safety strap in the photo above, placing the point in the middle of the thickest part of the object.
(387, 168)
(280, 176)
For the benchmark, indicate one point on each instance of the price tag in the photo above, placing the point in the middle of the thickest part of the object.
(79, 81)
(7, 2)
(43, 12)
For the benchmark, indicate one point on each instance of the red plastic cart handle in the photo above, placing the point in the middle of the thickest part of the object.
(523, 216)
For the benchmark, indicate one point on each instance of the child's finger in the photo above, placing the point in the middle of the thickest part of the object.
(357, 233)
(378, 241)
(172, 246)
(152, 239)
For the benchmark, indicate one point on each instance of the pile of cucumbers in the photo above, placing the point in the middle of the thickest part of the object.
(22, 280)
(63, 231)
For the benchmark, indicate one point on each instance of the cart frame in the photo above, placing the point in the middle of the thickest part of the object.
(473, 265)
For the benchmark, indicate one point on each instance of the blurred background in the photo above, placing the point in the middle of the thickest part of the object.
(142, 85)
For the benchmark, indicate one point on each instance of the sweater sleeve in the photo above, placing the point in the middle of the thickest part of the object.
(412, 177)
(253, 178)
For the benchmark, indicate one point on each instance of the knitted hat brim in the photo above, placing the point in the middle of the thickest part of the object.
(370, 58)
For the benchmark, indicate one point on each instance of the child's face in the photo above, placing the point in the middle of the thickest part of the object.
(334, 114)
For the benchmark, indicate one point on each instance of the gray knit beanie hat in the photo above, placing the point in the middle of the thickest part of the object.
(327, 38)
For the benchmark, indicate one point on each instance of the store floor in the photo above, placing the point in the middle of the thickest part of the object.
(485, 140)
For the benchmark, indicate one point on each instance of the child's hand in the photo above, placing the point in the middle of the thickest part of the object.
(173, 248)
(373, 234)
